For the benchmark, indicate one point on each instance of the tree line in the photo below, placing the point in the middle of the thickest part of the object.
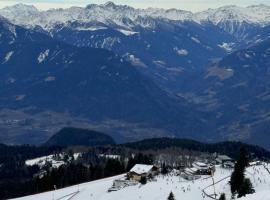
(87, 168)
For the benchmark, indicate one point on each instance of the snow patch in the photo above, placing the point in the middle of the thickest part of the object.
(43, 55)
(109, 42)
(55, 160)
(41, 161)
(50, 78)
(226, 46)
(181, 52)
(136, 61)
(160, 63)
(196, 40)
(92, 28)
(247, 55)
(8, 56)
(127, 33)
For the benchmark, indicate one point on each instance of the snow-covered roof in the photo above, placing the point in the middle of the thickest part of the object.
(141, 169)
(224, 157)
(200, 164)
(254, 163)
(191, 170)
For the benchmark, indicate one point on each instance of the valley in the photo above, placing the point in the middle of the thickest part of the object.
(136, 73)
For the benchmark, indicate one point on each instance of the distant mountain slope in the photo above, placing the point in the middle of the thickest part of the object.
(167, 45)
(209, 72)
(227, 148)
(39, 74)
(237, 90)
(79, 137)
(165, 52)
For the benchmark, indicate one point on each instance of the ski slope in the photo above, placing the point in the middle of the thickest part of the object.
(160, 189)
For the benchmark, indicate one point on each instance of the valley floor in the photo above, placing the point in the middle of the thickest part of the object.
(160, 189)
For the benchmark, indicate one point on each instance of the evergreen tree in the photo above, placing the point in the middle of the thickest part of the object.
(236, 179)
(222, 197)
(143, 180)
(171, 196)
(113, 167)
(130, 164)
(164, 169)
(243, 157)
(238, 175)
(245, 188)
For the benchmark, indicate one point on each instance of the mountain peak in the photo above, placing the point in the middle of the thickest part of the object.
(22, 7)
(2, 18)
(110, 4)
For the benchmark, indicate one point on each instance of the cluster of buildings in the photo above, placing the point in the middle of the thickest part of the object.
(225, 161)
(195, 171)
(206, 168)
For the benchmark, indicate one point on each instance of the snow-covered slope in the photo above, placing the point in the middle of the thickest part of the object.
(238, 21)
(129, 17)
(55, 160)
(160, 189)
(258, 14)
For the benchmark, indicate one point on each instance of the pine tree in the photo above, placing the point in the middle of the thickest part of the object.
(171, 196)
(222, 197)
(243, 157)
(236, 179)
(143, 180)
(245, 188)
(130, 164)
(238, 175)
(164, 169)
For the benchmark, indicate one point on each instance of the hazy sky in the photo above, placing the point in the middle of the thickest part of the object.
(193, 5)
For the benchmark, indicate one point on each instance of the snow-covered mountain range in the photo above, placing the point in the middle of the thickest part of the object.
(129, 17)
(184, 33)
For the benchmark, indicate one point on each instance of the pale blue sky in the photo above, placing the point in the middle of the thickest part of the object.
(193, 5)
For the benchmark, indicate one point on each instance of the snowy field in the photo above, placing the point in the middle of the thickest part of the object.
(160, 189)
(41, 161)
